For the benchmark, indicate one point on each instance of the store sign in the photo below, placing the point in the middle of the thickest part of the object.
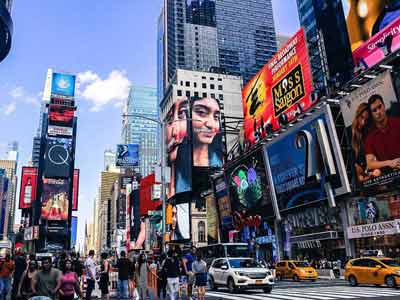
(59, 130)
(156, 192)
(375, 229)
(309, 244)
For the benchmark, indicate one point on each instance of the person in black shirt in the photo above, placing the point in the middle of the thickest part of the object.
(171, 269)
(125, 272)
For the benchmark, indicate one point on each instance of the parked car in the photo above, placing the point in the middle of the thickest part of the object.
(373, 270)
(296, 270)
(240, 274)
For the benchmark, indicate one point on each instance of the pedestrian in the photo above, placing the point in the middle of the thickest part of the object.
(7, 267)
(77, 266)
(199, 268)
(20, 267)
(104, 276)
(141, 275)
(25, 282)
(125, 272)
(69, 282)
(161, 278)
(90, 269)
(46, 281)
(188, 260)
(171, 269)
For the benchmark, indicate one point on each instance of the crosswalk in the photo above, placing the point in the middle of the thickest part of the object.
(315, 293)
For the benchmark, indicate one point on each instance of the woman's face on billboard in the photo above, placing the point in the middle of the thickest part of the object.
(176, 127)
(206, 120)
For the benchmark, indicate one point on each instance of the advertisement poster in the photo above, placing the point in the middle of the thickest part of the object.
(63, 85)
(55, 199)
(75, 190)
(366, 18)
(59, 131)
(60, 115)
(58, 158)
(28, 187)
(180, 228)
(372, 117)
(304, 159)
(282, 86)
(127, 155)
(74, 230)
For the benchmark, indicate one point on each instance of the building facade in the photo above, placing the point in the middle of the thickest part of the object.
(142, 101)
(6, 28)
(7, 208)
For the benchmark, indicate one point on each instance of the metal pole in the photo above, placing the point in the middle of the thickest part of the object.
(163, 193)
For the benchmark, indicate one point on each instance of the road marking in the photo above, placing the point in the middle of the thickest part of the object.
(254, 297)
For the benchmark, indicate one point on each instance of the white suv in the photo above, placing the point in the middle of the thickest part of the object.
(240, 273)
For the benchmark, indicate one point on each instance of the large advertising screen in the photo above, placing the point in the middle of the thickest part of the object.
(372, 117)
(58, 158)
(282, 86)
(55, 199)
(60, 115)
(180, 227)
(28, 188)
(127, 155)
(75, 190)
(74, 230)
(63, 85)
(305, 161)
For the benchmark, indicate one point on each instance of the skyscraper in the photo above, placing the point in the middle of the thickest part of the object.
(142, 101)
(328, 42)
(110, 161)
(238, 36)
(7, 206)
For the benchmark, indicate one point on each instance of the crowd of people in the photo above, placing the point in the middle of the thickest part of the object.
(60, 277)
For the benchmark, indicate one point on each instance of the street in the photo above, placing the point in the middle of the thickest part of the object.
(321, 290)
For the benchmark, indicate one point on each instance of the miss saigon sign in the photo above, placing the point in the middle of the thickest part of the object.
(367, 230)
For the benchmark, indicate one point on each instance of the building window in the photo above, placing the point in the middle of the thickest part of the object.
(204, 95)
(188, 94)
(201, 231)
(204, 85)
(181, 82)
(195, 84)
(219, 79)
(211, 78)
(203, 77)
(212, 86)
(220, 88)
(221, 97)
(179, 92)
(187, 83)
(212, 96)
(196, 94)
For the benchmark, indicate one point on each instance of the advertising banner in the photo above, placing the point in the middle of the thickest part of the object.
(74, 230)
(27, 193)
(75, 190)
(60, 115)
(305, 162)
(127, 155)
(55, 199)
(180, 227)
(59, 131)
(372, 118)
(375, 229)
(58, 158)
(367, 18)
(121, 211)
(282, 86)
(63, 85)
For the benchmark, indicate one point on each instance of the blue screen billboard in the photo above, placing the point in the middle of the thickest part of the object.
(74, 230)
(63, 85)
(127, 155)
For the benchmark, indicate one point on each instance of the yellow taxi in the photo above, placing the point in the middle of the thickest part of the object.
(373, 270)
(296, 270)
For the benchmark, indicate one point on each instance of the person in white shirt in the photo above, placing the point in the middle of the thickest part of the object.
(90, 268)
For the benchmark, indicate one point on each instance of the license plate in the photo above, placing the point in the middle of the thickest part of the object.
(259, 281)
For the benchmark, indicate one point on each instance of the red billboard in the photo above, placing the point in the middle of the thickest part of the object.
(61, 115)
(282, 86)
(55, 199)
(75, 190)
(27, 192)
(146, 202)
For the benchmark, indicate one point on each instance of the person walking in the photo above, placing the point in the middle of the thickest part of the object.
(104, 276)
(161, 278)
(188, 260)
(171, 269)
(20, 267)
(7, 267)
(77, 266)
(141, 275)
(25, 282)
(90, 268)
(125, 272)
(46, 281)
(69, 282)
(199, 268)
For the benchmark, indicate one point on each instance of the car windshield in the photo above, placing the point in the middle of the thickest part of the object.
(301, 264)
(244, 263)
(390, 262)
(236, 251)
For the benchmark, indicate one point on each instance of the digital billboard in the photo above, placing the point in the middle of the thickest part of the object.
(59, 131)
(28, 188)
(74, 230)
(60, 115)
(58, 158)
(282, 86)
(75, 190)
(55, 199)
(63, 85)
(127, 155)
(371, 115)
(305, 161)
(180, 227)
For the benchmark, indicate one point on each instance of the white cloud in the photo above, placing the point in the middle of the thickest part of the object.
(100, 92)
(21, 95)
(9, 108)
(17, 92)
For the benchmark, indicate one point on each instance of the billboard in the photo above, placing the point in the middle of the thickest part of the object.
(75, 190)
(59, 131)
(28, 188)
(305, 162)
(282, 86)
(58, 158)
(63, 85)
(127, 155)
(74, 230)
(55, 199)
(180, 227)
(372, 118)
(60, 115)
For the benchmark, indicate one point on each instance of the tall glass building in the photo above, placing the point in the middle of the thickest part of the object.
(142, 101)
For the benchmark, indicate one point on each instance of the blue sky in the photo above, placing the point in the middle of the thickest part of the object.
(111, 44)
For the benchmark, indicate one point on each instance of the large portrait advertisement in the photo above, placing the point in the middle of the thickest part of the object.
(180, 227)
(372, 117)
(55, 199)
(282, 86)
(305, 164)
(127, 155)
(179, 147)
(27, 193)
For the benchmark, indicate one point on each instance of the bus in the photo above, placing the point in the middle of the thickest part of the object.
(211, 252)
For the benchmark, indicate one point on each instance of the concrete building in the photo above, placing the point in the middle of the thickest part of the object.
(7, 205)
(110, 161)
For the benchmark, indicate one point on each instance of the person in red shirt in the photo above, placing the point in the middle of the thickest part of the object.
(6, 270)
(382, 146)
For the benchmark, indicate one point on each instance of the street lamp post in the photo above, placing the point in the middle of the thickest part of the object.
(163, 167)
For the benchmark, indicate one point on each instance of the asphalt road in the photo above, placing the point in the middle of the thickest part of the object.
(320, 290)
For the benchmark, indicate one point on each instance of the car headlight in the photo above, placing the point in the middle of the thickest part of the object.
(240, 273)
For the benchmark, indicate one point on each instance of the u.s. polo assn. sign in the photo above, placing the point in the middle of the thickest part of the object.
(374, 229)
